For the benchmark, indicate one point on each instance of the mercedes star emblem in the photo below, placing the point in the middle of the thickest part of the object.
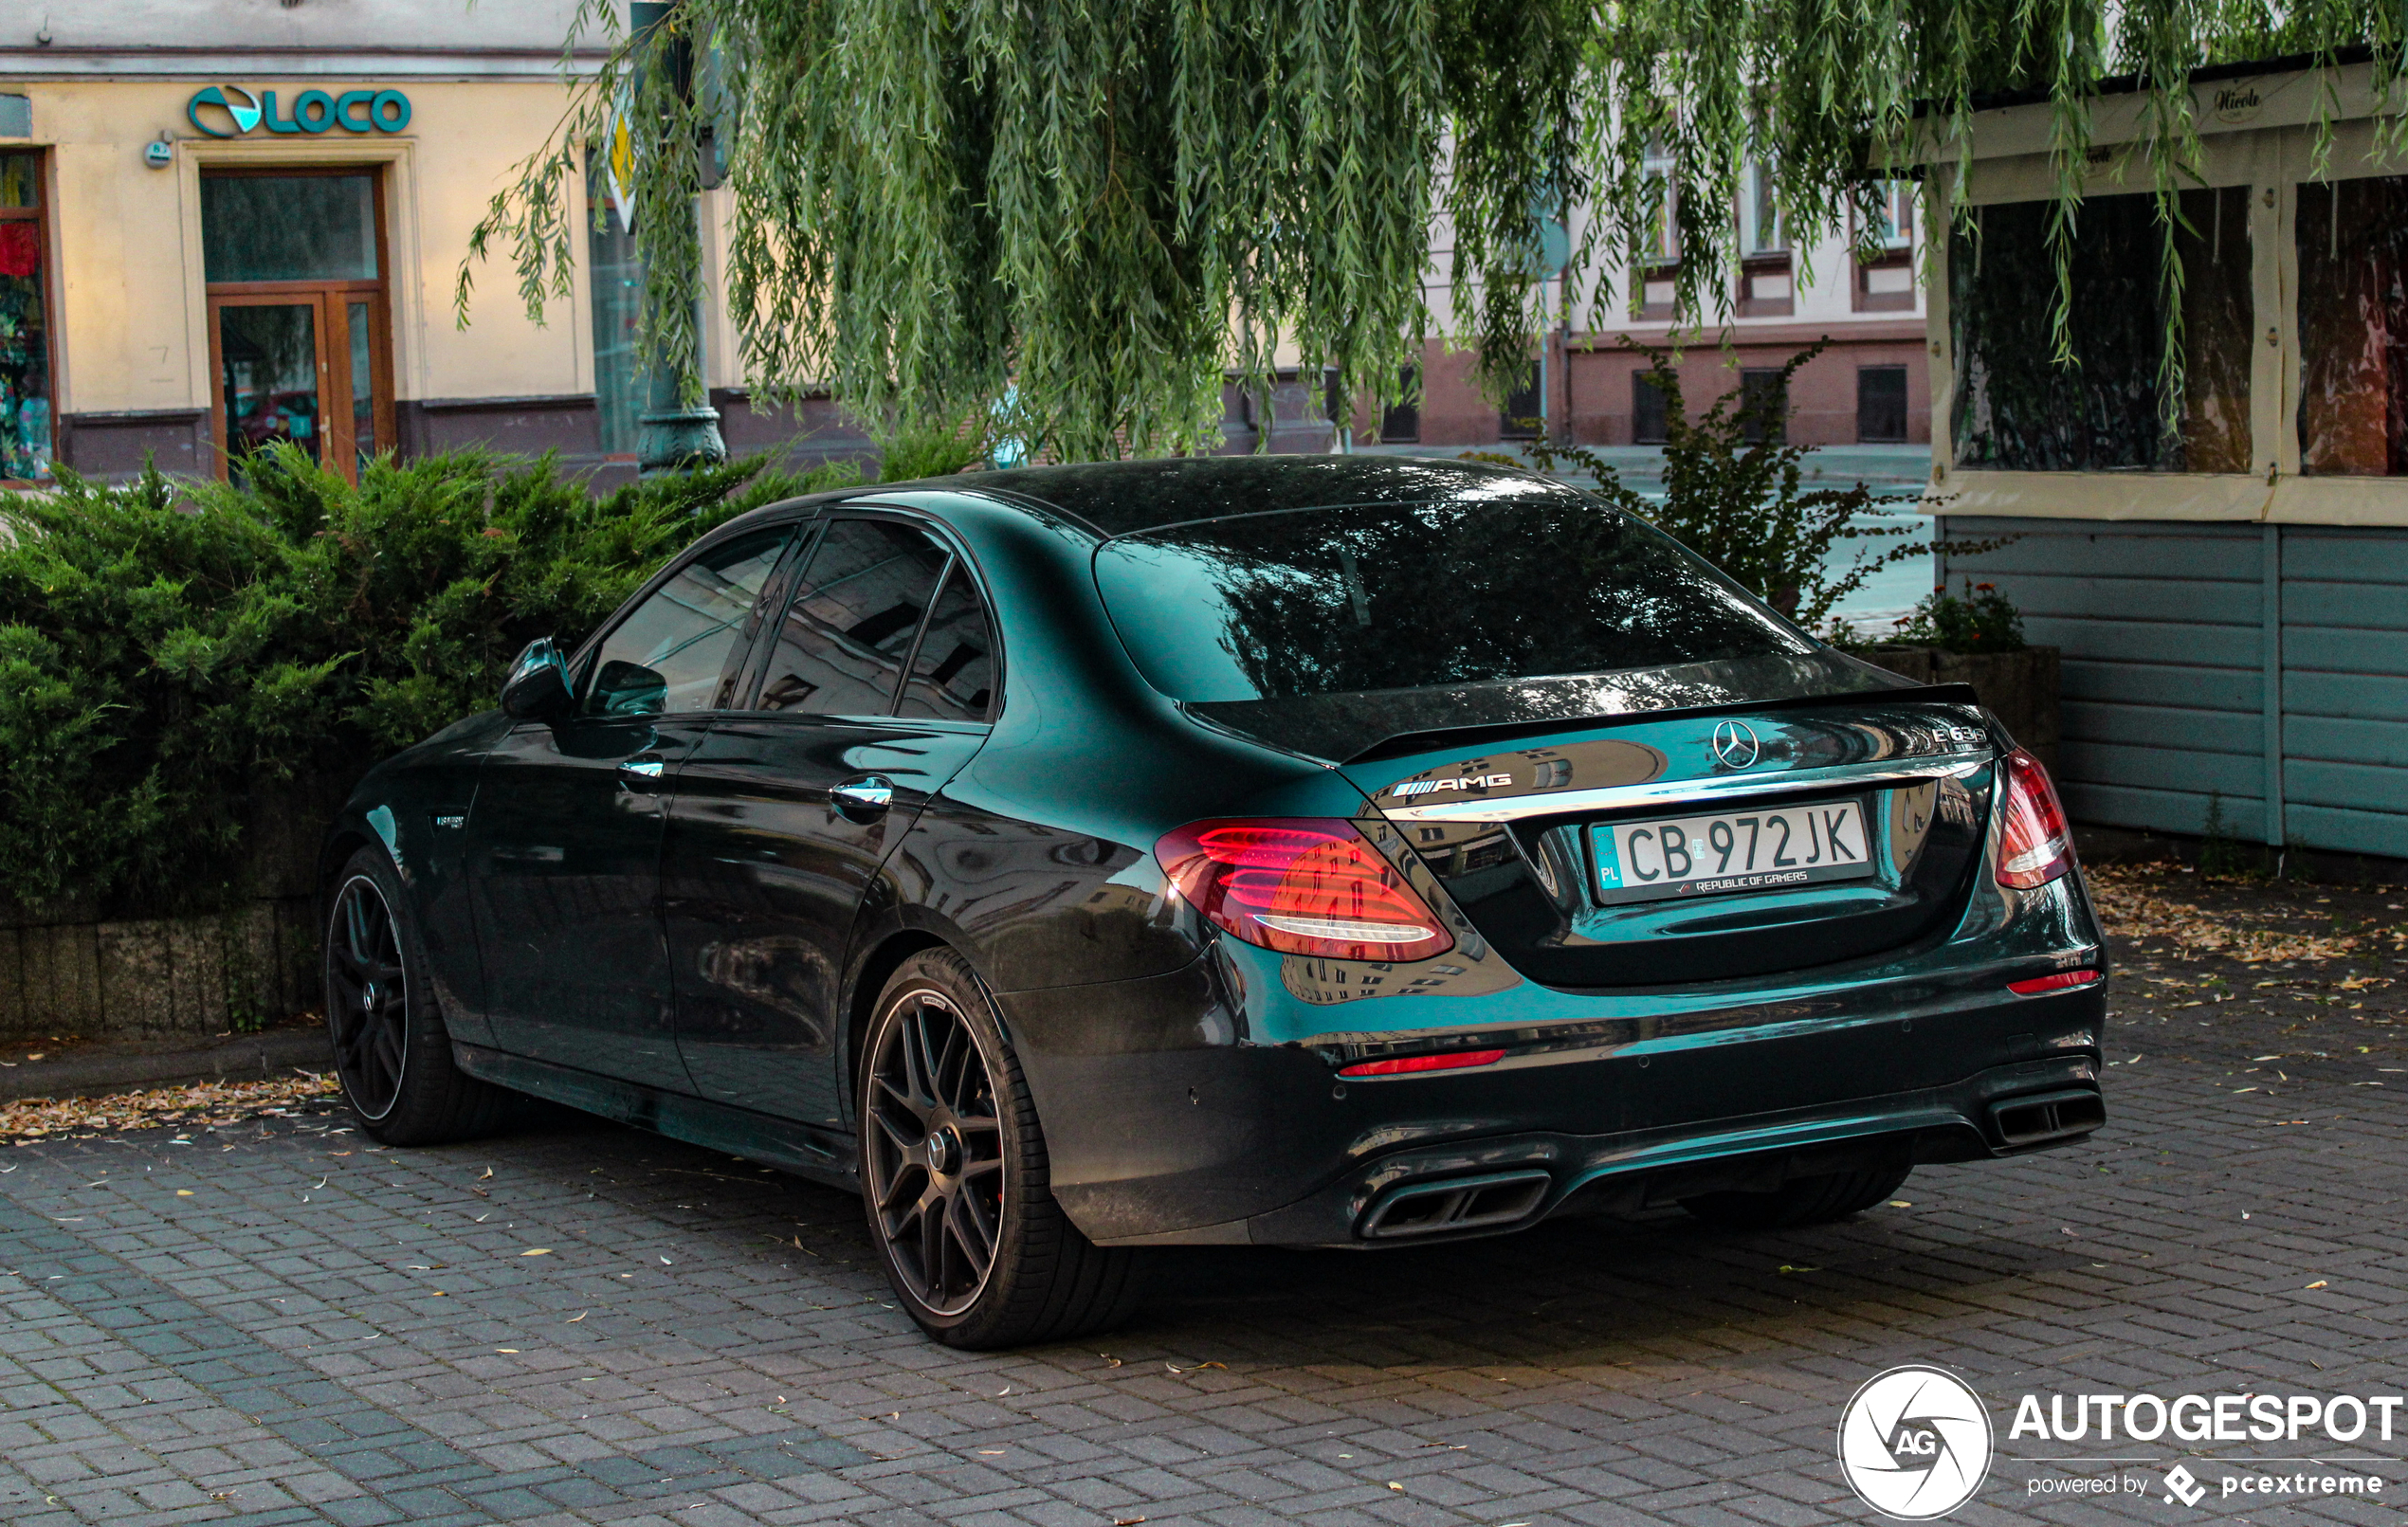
(1734, 745)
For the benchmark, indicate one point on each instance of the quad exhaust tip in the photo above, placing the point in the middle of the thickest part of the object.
(2046, 1116)
(1457, 1203)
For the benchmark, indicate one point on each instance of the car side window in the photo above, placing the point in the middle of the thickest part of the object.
(847, 630)
(953, 674)
(680, 648)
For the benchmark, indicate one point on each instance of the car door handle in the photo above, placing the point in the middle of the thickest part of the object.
(864, 799)
(642, 767)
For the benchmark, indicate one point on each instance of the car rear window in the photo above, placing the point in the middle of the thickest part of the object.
(1480, 587)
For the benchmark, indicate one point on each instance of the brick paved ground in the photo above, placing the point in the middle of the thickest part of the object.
(278, 1322)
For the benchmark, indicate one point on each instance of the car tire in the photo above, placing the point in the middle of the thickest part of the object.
(954, 1176)
(1801, 1201)
(393, 1053)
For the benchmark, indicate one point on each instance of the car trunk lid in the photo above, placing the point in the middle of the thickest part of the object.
(1690, 846)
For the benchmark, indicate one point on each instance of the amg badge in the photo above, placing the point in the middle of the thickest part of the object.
(1423, 787)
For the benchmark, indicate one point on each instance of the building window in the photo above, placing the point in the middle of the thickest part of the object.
(2017, 409)
(1400, 421)
(1652, 284)
(1647, 412)
(617, 296)
(2353, 327)
(299, 338)
(1766, 287)
(25, 324)
(1519, 418)
(1881, 405)
(1764, 404)
(1760, 220)
(1886, 277)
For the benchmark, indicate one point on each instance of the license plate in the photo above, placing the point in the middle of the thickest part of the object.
(1755, 851)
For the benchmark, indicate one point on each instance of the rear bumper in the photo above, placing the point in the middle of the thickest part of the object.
(1510, 1182)
(1164, 1127)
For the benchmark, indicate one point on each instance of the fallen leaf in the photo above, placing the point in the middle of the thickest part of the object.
(512, 1350)
(536, 1251)
(201, 1104)
(1900, 1203)
(574, 1318)
(1394, 1485)
(1787, 1268)
(2318, 1284)
(184, 1192)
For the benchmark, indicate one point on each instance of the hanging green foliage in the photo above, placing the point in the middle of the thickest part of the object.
(1067, 223)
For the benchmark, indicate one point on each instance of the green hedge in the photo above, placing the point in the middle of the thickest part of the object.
(179, 658)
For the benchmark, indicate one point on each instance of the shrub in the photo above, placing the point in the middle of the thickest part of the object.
(1734, 494)
(1983, 621)
(179, 658)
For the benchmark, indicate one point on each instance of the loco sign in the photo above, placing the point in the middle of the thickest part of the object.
(234, 111)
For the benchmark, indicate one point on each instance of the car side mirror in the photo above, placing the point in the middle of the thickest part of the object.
(539, 684)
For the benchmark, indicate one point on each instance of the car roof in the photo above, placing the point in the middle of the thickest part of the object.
(1119, 498)
(1113, 499)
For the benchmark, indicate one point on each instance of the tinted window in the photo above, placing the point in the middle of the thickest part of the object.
(1471, 589)
(848, 630)
(288, 227)
(678, 649)
(952, 675)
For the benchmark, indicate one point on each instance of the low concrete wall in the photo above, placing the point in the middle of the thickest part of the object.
(2020, 688)
(185, 975)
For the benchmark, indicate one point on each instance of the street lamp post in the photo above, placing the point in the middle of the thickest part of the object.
(671, 434)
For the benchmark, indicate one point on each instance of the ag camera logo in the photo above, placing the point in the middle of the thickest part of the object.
(1915, 1443)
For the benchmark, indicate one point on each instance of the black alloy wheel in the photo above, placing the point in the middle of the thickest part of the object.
(367, 998)
(935, 1164)
(954, 1178)
(393, 1052)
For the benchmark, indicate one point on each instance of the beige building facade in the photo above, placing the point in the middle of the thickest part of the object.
(229, 222)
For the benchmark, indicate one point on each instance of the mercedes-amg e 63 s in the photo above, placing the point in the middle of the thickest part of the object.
(1308, 851)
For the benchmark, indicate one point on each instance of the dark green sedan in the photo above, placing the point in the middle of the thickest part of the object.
(1308, 851)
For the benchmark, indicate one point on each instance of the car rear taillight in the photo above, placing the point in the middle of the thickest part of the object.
(1407, 1064)
(1302, 885)
(2040, 985)
(2034, 847)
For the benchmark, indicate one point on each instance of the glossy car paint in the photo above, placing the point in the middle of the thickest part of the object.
(1186, 1081)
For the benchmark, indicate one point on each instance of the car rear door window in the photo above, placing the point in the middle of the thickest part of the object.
(847, 630)
(680, 648)
(953, 673)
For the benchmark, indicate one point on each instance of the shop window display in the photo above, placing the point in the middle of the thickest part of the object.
(617, 278)
(2017, 410)
(25, 330)
(2353, 327)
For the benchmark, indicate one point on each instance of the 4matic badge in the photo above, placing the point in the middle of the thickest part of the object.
(1915, 1443)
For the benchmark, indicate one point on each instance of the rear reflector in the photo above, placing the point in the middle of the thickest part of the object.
(2062, 981)
(2034, 846)
(1301, 885)
(1452, 1060)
